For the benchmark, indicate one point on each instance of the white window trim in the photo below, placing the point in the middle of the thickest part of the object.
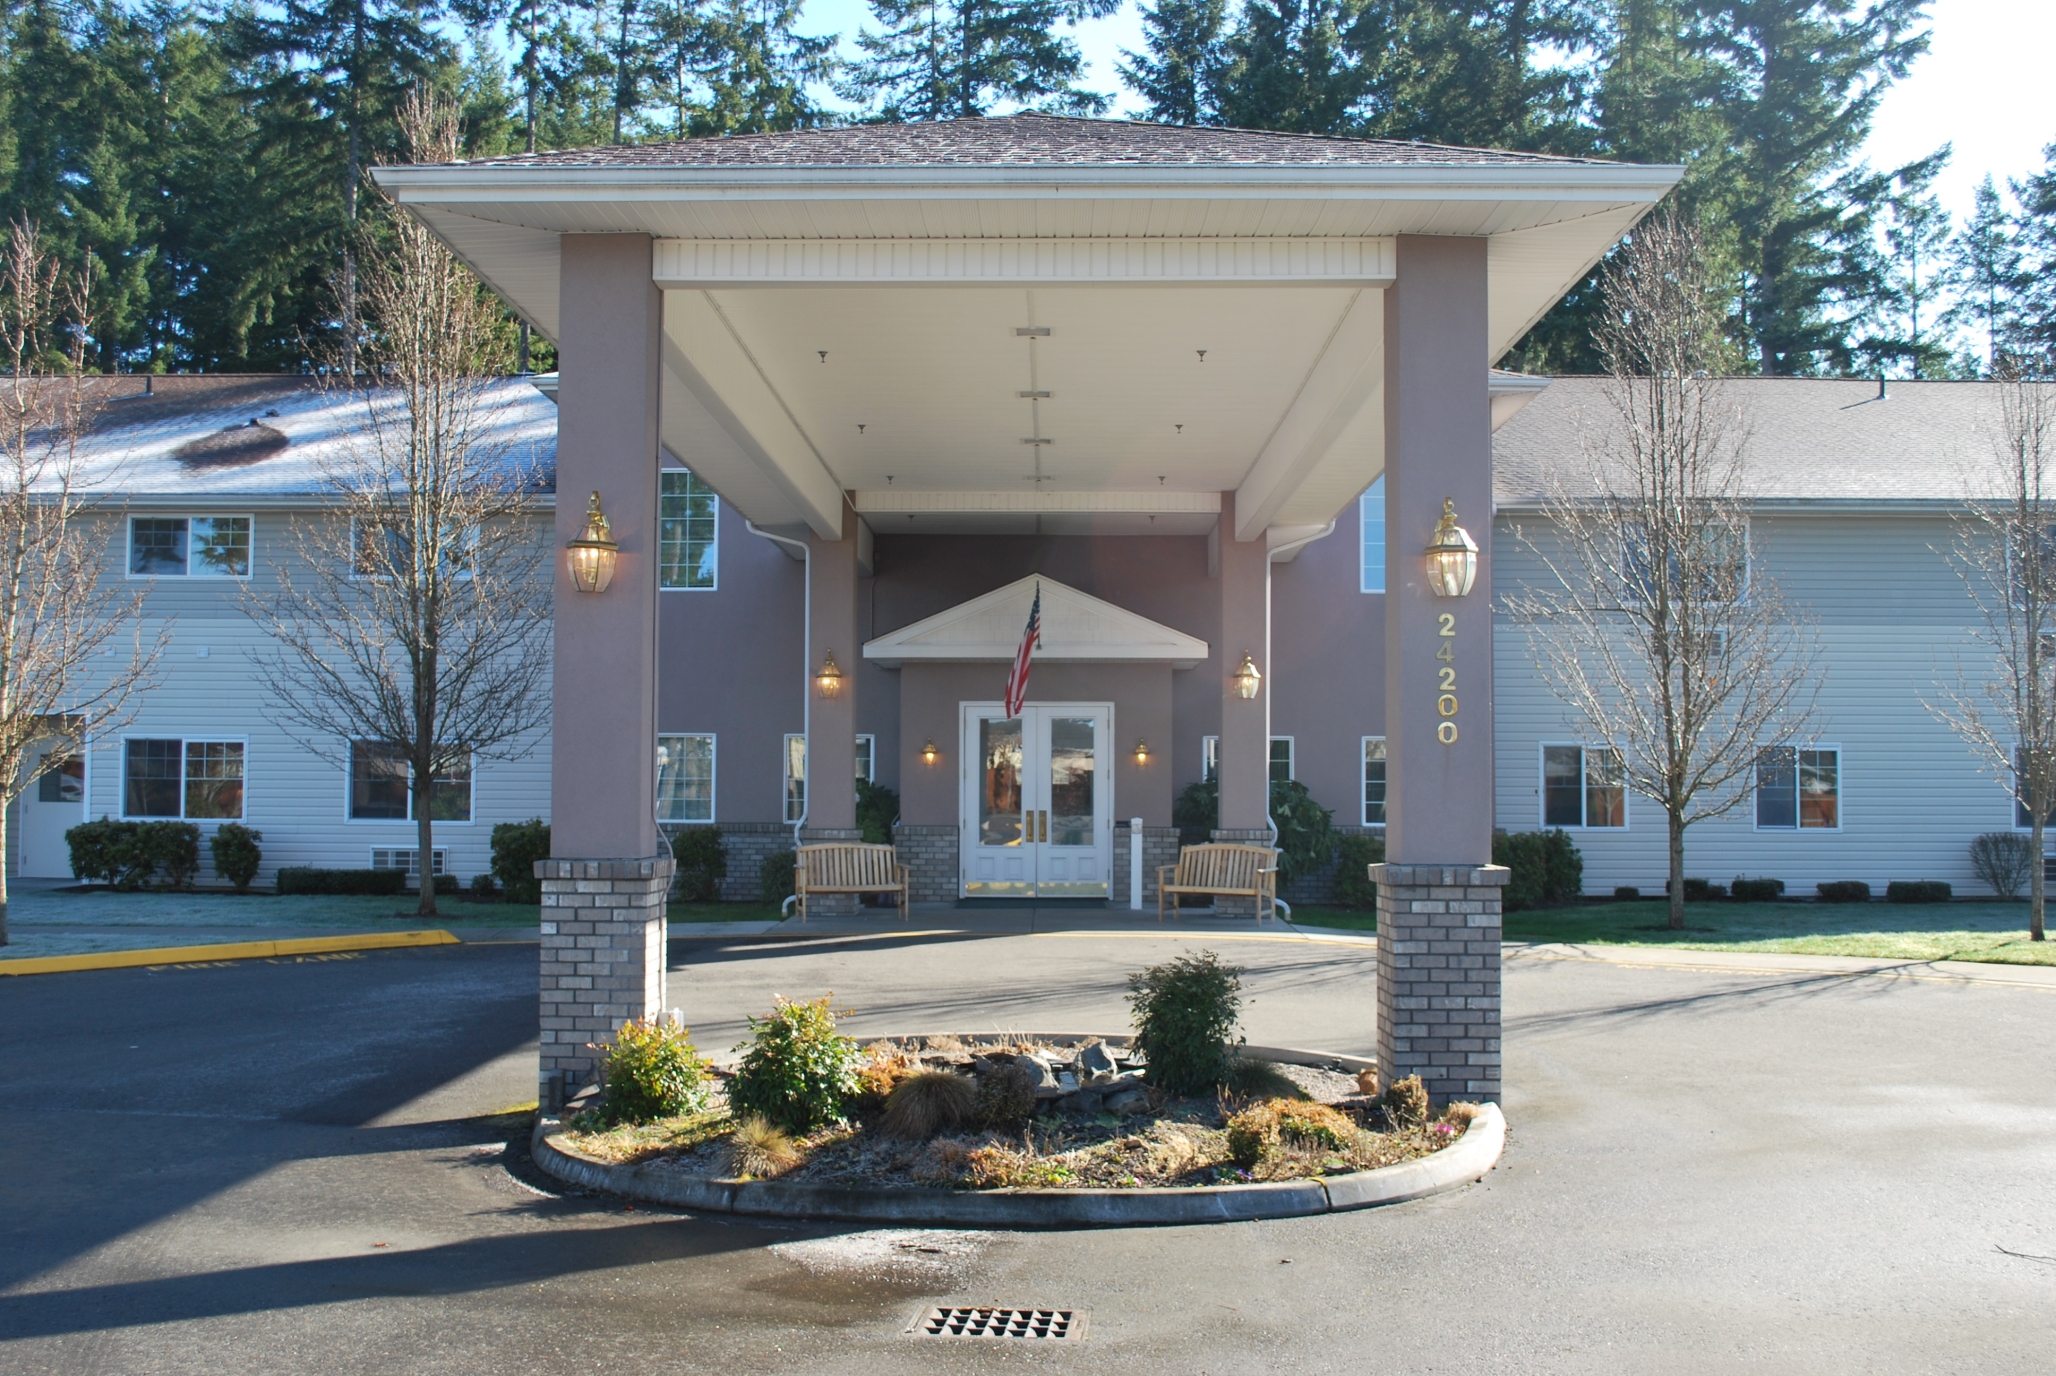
(1542, 822)
(1741, 597)
(128, 554)
(122, 775)
(1363, 803)
(1362, 574)
(872, 775)
(1209, 757)
(1841, 790)
(714, 586)
(713, 816)
(1291, 758)
(408, 822)
(784, 761)
(438, 859)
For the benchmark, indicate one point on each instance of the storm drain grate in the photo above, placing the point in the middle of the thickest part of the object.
(953, 1321)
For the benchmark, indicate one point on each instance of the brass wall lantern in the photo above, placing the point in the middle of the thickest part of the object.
(1142, 752)
(593, 553)
(830, 677)
(929, 752)
(1452, 556)
(1247, 679)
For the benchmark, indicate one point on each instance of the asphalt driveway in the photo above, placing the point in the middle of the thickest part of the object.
(267, 1167)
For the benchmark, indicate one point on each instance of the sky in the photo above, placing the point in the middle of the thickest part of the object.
(1984, 86)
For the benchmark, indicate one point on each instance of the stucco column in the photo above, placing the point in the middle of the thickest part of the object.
(1438, 903)
(603, 930)
(832, 741)
(1245, 749)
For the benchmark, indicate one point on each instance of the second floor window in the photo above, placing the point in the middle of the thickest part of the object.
(189, 546)
(688, 533)
(1370, 510)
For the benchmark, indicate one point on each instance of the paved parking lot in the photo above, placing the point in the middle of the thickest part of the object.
(279, 1167)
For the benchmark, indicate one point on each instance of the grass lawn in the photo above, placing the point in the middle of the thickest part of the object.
(105, 908)
(723, 912)
(1977, 930)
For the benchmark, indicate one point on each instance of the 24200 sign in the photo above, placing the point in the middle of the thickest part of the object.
(1445, 679)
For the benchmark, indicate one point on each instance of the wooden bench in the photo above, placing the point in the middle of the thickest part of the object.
(848, 867)
(1223, 870)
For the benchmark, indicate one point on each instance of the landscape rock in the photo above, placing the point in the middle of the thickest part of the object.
(1096, 1065)
(1067, 1083)
(1131, 1100)
(1046, 1086)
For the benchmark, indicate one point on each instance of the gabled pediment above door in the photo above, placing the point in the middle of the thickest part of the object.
(1076, 626)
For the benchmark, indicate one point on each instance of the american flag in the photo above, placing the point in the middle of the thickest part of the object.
(1017, 680)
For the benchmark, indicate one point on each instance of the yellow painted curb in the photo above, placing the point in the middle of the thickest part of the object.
(234, 950)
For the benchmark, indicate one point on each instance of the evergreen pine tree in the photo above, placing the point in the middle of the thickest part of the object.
(957, 59)
(755, 68)
(1987, 258)
(1464, 72)
(1913, 273)
(2033, 335)
(1179, 73)
(1290, 69)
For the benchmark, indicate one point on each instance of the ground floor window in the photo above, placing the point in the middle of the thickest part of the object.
(381, 786)
(1798, 788)
(1583, 786)
(178, 778)
(2023, 815)
(1281, 758)
(685, 778)
(796, 771)
(1374, 781)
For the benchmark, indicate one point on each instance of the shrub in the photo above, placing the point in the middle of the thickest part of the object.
(1844, 891)
(236, 853)
(1406, 1103)
(796, 1070)
(516, 848)
(878, 807)
(1184, 1012)
(483, 890)
(1006, 1095)
(1757, 890)
(884, 1067)
(1306, 830)
(1354, 855)
(2002, 859)
(1626, 893)
(652, 1072)
(1698, 890)
(1546, 867)
(304, 880)
(97, 848)
(447, 883)
(774, 876)
(1261, 1129)
(1197, 812)
(758, 1150)
(1918, 891)
(170, 847)
(927, 1103)
(702, 864)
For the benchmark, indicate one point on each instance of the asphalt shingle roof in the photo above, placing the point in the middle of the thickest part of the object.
(1808, 439)
(1025, 140)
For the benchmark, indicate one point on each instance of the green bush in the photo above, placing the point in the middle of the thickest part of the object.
(1699, 890)
(172, 848)
(1918, 891)
(1184, 1012)
(301, 879)
(447, 883)
(483, 889)
(516, 848)
(1844, 891)
(1197, 813)
(1626, 893)
(1306, 830)
(236, 853)
(652, 1072)
(774, 876)
(1354, 855)
(98, 849)
(702, 864)
(2004, 860)
(1546, 867)
(796, 1069)
(878, 807)
(1757, 890)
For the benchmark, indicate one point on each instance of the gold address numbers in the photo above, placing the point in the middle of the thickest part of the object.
(1445, 678)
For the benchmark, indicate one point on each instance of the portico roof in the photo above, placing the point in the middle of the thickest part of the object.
(1076, 626)
(1032, 322)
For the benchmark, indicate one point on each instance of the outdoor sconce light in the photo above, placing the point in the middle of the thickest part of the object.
(830, 677)
(928, 752)
(1247, 680)
(1142, 752)
(1452, 556)
(593, 552)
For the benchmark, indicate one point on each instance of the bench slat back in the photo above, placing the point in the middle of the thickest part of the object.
(1221, 865)
(848, 864)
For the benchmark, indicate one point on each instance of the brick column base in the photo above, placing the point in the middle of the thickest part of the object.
(1438, 977)
(1252, 836)
(603, 961)
(832, 904)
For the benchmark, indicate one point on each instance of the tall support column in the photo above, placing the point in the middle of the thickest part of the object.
(1438, 901)
(832, 729)
(603, 888)
(1245, 745)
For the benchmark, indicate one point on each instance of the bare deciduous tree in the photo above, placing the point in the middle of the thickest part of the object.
(2005, 552)
(412, 616)
(1669, 651)
(61, 671)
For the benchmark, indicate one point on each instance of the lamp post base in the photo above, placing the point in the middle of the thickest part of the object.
(603, 959)
(1438, 977)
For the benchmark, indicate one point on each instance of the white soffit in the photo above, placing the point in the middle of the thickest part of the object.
(730, 263)
(1075, 626)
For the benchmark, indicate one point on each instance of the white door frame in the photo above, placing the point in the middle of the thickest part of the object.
(1028, 869)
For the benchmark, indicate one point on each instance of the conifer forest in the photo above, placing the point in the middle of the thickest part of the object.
(204, 161)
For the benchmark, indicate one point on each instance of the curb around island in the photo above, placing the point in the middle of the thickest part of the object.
(232, 950)
(1463, 1162)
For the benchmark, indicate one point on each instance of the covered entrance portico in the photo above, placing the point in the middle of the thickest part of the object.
(1189, 349)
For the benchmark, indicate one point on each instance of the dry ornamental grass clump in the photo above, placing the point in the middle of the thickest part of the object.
(1006, 1095)
(1406, 1104)
(759, 1151)
(1263, 1130)
(929, 1102)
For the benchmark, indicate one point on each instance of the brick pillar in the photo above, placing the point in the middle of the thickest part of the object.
(603, 960)
(1438, 977)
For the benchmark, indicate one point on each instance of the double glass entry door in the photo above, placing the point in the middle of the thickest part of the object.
(1037, 800)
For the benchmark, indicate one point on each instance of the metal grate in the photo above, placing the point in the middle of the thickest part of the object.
(951, 1321)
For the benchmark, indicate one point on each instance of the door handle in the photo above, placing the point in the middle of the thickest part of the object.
(1043, 826)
